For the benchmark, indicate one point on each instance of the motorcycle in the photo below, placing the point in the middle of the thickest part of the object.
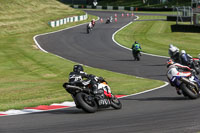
(88, 28)
(109, 20)
(195, 64)
(84, 98)
(136, 55)
(187, 82)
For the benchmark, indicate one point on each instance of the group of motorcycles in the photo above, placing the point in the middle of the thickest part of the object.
(187, 82)
(91, 25)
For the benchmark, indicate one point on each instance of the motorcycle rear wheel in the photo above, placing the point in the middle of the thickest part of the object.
(190, 91)
(115, 103)
(86, 102)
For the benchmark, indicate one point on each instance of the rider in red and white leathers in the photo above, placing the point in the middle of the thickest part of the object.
(180, 70)
(93, 22)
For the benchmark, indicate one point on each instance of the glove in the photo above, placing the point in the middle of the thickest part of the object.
(193, 72)
(91, 76)
(101, 79)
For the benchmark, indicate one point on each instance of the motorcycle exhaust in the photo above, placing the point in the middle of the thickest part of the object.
(187, 81)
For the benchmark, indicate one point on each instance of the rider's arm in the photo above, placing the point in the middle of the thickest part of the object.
(183, 67)
(84, 74)
(133, 46)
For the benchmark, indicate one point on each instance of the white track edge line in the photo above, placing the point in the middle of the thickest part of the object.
(166, 83)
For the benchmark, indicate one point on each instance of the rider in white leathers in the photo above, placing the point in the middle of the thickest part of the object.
(178, 69)
(174, 52)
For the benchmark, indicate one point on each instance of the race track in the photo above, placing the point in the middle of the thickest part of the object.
(158, 111)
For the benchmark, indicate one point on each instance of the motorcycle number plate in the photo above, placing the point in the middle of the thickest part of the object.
(103, 102)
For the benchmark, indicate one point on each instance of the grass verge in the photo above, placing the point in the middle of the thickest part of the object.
(155, 36)
(30, 77)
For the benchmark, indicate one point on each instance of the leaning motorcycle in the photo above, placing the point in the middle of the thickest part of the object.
(88, 29)
(187, 82)
(84, 98)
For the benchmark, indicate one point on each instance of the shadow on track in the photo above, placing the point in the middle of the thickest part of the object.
(157, 65)
(124, 60)
(157, 99)
(74, 111)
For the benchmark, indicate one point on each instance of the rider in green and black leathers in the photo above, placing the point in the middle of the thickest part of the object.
(136, 49)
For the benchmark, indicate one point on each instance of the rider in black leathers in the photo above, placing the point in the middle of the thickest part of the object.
(79, 74)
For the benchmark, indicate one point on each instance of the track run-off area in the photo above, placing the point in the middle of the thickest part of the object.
(161, 110)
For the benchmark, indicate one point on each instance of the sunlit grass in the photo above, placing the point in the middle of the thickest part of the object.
(155, 36)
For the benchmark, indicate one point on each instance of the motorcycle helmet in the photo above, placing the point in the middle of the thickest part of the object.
(173, 51)
(183, 52)
(169, 62)
(171, 45)
(77, 68)
(136, 42)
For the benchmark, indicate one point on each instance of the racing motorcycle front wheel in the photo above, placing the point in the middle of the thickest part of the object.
(115, 103)
(189, 90)
(86, 102)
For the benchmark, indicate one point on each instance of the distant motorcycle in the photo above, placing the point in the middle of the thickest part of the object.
(189, 85)
(86, 100)
(109, 20)
(88, 28)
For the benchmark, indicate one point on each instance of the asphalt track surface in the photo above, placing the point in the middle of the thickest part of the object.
(158, 111)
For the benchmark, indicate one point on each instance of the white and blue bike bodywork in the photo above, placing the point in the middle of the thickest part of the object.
(186, 82)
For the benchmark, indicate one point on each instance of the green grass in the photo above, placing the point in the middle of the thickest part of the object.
(155, 37)
(30, 77)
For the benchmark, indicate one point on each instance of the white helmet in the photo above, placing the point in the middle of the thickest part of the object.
(173, 51)
(183, 52)
(171, 45)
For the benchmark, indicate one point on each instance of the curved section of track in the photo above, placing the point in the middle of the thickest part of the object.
(157, 111)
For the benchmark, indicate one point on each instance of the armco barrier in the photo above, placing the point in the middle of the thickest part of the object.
(62, 21)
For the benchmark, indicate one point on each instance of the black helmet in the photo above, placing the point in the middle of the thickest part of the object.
(78, 68)
(136, 42)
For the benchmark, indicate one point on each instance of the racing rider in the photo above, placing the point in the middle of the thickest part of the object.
(93, 22)
(174, 53)
(181, 70)
(79, 74)
(136, 49)
(185, 59)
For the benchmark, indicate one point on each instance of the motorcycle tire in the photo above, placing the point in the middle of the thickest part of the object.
(86, 103)
(88, 30)
(115, 103)
(190, 91)
(138, 58)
